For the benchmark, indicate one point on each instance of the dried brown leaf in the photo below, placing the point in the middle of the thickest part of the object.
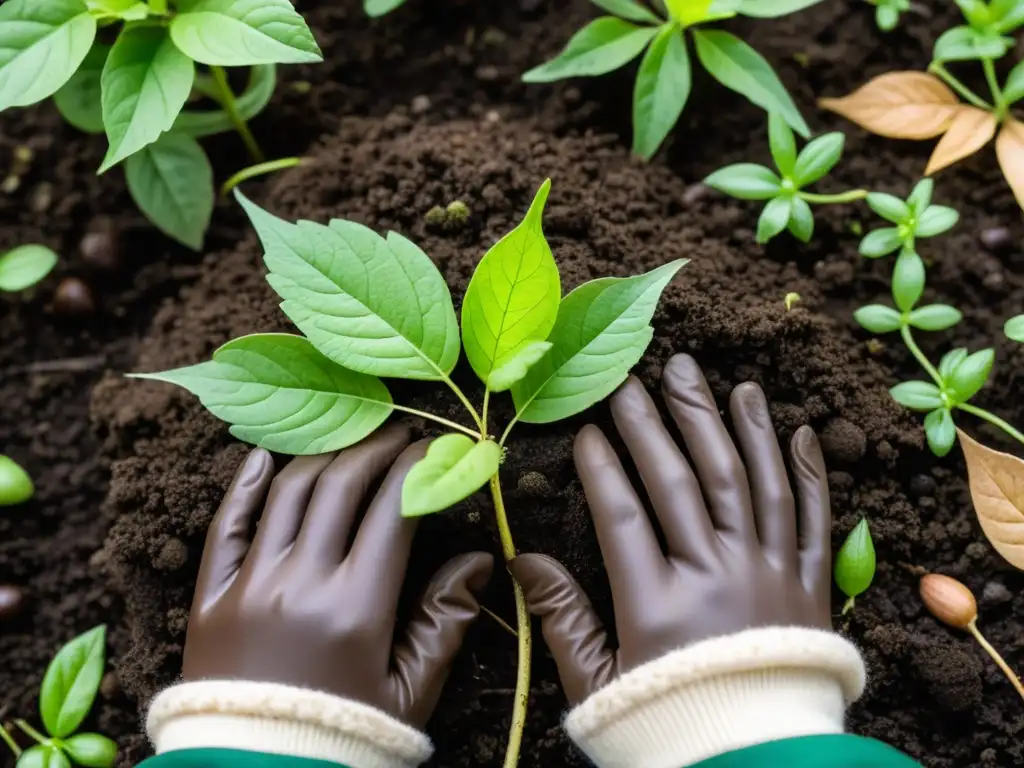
(971, 129)
(900, 105)
(1010, 151)
(997, 490)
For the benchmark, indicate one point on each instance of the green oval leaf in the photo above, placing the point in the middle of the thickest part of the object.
(801, 220)
(818, 158)
(278, 392)
(1014, 328)
(602, 331)
(935, 317)
(935, 220)
(950, 361)
(513, 296)
(855, 561)
(171, 181)
(146, 82)
(661, 91)
(747, 181)
(43, 756)
(454, 468)
(41, 46)
(91, 750)
(628, 9)
(908, 280)
(739, 67)
(921, 195)
(24, 266)
(236, 33)
(773, 218)
(375, 8)
(880, 242)
(917, 395)
(889, 207)
(1013, 91)
(15, 484)
(252, 101)
(970, 375)
(878, 318)
(940, 431)
(966, 44)
(782, 144)
(374, 305)
(602, 46)
(80, 99)
(71, 681)
(515, 365)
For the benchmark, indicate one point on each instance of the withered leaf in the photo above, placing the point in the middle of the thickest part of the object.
(900, 105)
(971, 129)
(997, 490)
(1010, 151)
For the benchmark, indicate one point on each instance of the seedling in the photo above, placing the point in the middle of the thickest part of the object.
(25, 266)
(135, 89)
(911, 219)
(888, 12)
(790, 300)
(67, 694)
(855, 564)
(1014, 328)
(664, 79)
(375, 307)
(15, 484)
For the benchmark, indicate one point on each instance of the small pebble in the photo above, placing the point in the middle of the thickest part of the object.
(844, 441)
(534, 484)
(694, 193)
(421, 105)
(996, 239)
(12, 600)
(99, 247)
(922, 485)
(73, 297)
(995, 593)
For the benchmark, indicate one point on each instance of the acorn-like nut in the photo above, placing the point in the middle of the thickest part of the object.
(948, 600)
(73, 297)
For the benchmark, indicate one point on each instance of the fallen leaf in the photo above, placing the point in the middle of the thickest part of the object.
(900, 105)
(997, 490)
(971, 129)
(1010, 151)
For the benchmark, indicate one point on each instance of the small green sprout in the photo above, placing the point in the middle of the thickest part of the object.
(914, 218)
(25, 266)
(855, 564)
(986, 34)
(888, 12)
(790, 300)
(1014, 328)
(15, 484)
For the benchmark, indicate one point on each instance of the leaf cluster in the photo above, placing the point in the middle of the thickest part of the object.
(985, 35)
(24, 266)
(664, 79)
(910, 219)
(373, 307)
(135, 89)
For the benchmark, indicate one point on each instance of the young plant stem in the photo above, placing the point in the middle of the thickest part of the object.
(991, 418)
(227, 101)
(483, 410)
(993, 86)
(439, 419)
(260, 169)
(10, 742)
(965, 93)
(841, 197)
(469, 406)
(1010, 675)
(908, 339)
(31, 732)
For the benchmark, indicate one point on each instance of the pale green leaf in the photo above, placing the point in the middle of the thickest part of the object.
(602, 331)
(125, 10)
(688, 12)
(630, 10)
(747, 181)
(662, 88)
(42, 44)
(243, 32)
(768, 9)
(602, 46)
(24, 266)
(375, 8)
(276, 391)
(514, 366)
(71, 682)
(79, 100)
(774, 218)
(252, 101)
(1014, 328)
(454, 468)
(375, 305)
(146, 82)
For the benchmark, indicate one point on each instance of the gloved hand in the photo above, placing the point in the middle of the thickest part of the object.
(686, 619)
(297, 623)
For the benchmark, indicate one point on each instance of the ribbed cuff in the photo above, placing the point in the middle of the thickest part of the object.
(720, 695)
(281, 719)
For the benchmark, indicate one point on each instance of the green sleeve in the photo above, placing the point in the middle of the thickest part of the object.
(231, 758)
(828, 751)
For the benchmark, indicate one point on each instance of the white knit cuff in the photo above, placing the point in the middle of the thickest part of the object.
(720, 695)
(282, 719)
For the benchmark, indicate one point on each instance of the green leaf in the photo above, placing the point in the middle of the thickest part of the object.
(889, 207)
(374, 305)
(887, 17)
(278, 392)
(739, 67)
(602, 46)
(41, 46)
(935, 317)
(71, 681)
(921, 196)
(377, 8)
(773, 218)
(818, 158)
(124, 10)
(940, 431)
(513, 367)
(688, 12)
(79, 100)
(628, 9)
(146, 82)
(917, 395)
(950, 361)
(513, 296)
(15, 484)
(454, 468)
(769, 9)
(935, 220)
(43, 756)
(602, 331)
(171, 181)
(236, 33)
(1013, 91)
(907, 280)
(252, 101)
(747, 181)
(1008, 15)
(662, 88)
(970, 375)
(1015, 328)
(801, 220)
(24, 266)
(91, 750)
(880, 242)
(782, 144)
(878, 318)
(855, 561)
(966, 44)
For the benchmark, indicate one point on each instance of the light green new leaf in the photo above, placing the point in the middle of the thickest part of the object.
(1014, 328)
(376, 8)
(602, 331)
(602, 46)
(818, 158)
(42, 43)
(276, 391)
(125, 10)
(24, 266)
(91, 750)
(940, 431)
(71, 681)
(628, 9)
(236, 33)
(513, 296)
(172, 183)
(378, 306)
(967, 44)
(514, 366)
(739, 67)
(801, 220)
(769, 9)
(950, 361)
(688, 12)
(773, 219)
(917, 395)
(662, 88)
(80, 100)
(747, 181)
(455, 467)
(1013, 91)
(782, 144)
(146, 82)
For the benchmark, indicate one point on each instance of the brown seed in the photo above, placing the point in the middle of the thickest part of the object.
(99, 247)
(73, 297)
(948, 600)
(12, 600)
(997, 239)
(110, 685)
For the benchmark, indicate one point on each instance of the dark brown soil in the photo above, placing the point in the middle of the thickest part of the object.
(425, 108)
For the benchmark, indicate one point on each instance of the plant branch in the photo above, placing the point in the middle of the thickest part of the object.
(841, 197)
(439, 419)
(908, 339)
(32, 732)
(9, 741)
(965, 93)
(1010, 675)
(465, 401)
(260, 169)
(499, 621)
(991, 418)
(483, 411)
(227, 101)
(993, 86)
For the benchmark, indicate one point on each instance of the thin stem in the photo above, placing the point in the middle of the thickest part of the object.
(522, 695)
(9, 741)
(991, 418)
(483, 414)
(1010, 675)
(465, 401)
(508, 431)
(499, 621)
(841, 197)
(227, 100)
(993, 86)
(439, 419)
(908, 339)
(965, 93)
(32, 732)
(260, 169)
